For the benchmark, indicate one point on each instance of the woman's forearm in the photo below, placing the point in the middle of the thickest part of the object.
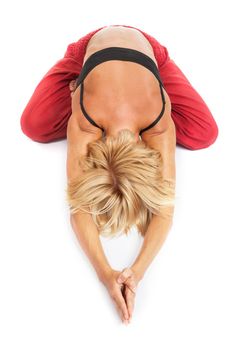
(154, 238)
(88, 236)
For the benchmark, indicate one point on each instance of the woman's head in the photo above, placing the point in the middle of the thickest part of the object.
(121, 185)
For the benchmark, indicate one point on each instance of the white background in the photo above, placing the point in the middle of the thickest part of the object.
(50, 296)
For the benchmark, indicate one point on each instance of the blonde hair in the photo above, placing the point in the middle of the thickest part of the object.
(121, 184)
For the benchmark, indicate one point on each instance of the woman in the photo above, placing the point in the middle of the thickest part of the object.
(122, 128)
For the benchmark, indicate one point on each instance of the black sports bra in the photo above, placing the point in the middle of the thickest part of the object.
(123, 54)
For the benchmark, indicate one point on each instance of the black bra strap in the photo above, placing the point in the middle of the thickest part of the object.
(142, 130)
(160, 115)
(117, 53)
(83, 110)
(124, 54)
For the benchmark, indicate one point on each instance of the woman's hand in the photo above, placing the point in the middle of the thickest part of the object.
(121, 286)
(130, 281)
(72, 87)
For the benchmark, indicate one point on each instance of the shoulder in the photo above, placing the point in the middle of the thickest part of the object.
(78, 134)
(165, 121)
(165, 143)
(77, 142)
(165, 128)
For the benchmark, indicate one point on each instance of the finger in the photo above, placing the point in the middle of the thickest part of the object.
(130, 299)
(127, 272)
(131, 284)
(122, 304)
(119, 310)
(123, 319)
(72, 84)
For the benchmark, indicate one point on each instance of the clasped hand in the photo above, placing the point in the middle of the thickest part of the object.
(122, 286)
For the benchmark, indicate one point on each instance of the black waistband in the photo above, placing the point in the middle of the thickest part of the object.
(117, 53)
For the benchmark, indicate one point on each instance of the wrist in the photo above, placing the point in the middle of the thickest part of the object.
(138, 272)
(104, 274)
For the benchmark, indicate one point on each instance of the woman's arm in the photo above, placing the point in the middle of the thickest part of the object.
(88, 236)
(153, 241)
(159, 227)
(82, 223)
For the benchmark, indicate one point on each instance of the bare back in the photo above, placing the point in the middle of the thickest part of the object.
(126, 91)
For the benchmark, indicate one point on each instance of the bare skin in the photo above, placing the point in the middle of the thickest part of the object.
(122, 286)
(130, 94)
(128, 91)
